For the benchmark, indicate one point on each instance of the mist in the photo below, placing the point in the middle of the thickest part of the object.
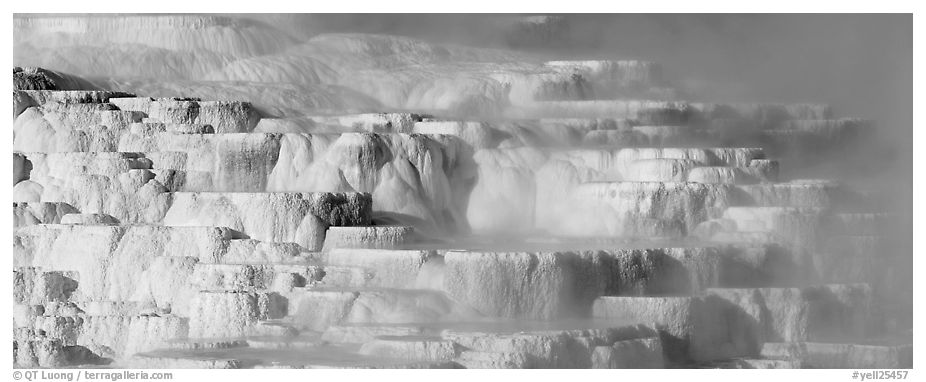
(859, 64)
(365, 180)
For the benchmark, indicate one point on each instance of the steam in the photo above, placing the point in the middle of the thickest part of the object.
(861, 65)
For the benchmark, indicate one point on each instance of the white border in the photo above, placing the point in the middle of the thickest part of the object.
(486, 6)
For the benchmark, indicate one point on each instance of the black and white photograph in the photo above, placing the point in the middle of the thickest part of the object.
(485, 190)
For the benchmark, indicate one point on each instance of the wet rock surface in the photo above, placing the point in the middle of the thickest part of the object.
(254, 199)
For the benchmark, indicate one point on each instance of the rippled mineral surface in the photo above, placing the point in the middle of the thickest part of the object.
(231, 192)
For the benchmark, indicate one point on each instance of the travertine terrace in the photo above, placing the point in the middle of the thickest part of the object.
(211, 192)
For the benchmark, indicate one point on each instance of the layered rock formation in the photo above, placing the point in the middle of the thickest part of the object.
(226, 195)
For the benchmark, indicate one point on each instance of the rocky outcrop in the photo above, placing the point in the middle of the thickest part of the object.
(300, 218)
(232, 313)
(675, 317)
(633, 208)
(32, 78)
(434, 349)
(331, 309)
(371, 201)
(384, 268)
(424, 178)
(25, 213)
(382, 237)
(835, 312)
(727, 323)
(117, 184)
(224, 116)
(630, 354)
(109, 260)
(557, 348)
(545, 285)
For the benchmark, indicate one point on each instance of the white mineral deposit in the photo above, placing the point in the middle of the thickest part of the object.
(295, 191)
